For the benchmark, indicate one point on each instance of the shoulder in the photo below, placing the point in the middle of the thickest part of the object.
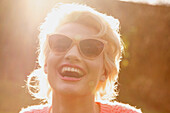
(36, 109)
(117, 107)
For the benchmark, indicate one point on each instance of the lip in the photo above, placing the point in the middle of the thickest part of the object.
(71, 78)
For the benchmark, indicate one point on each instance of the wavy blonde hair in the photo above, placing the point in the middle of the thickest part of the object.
(108, 27)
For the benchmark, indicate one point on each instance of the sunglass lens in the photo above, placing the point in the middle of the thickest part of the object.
(59, 43)
(91, 47)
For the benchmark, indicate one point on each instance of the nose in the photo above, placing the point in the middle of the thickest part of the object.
(73, 55)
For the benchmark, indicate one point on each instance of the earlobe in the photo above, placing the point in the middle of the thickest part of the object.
(103, 77)
(45, 68)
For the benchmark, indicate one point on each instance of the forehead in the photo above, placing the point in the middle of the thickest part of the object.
(76, 30)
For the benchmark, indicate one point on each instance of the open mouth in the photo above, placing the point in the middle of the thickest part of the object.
(71, 73)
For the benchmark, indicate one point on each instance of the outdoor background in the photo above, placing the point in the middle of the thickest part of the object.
(144, 77)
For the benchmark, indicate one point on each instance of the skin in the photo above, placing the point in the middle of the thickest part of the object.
(75, 96)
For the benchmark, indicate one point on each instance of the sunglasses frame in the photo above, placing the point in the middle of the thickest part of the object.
(76, 42)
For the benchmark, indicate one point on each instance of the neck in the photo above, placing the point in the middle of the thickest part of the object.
(73, 104)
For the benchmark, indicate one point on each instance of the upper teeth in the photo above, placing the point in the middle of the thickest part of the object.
(71, 69)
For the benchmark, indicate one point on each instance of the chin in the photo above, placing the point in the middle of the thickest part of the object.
(71, 90)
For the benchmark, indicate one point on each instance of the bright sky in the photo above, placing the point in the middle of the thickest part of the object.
(153, 2)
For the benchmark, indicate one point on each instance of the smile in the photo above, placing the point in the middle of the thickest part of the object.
(71, 73)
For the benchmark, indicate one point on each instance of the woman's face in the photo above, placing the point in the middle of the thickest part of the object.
(63, 69)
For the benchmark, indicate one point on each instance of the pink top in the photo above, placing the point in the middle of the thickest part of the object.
(115, 107)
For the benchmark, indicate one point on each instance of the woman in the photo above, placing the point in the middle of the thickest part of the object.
(80, 51)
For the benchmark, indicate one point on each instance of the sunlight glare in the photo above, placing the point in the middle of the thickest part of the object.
(152, 2)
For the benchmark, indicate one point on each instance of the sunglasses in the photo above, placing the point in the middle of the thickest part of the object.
(89, 47)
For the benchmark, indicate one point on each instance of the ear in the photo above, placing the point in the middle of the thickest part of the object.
(45, 68)
(104, 76)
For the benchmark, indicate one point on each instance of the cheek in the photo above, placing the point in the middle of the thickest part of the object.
(96, 67)
(97, 64)
(52, 63)
(53, 59)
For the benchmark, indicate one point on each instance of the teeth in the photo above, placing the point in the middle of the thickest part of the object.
(76, 70)
(71, 69)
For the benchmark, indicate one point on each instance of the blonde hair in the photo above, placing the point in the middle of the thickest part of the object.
(108, 30)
